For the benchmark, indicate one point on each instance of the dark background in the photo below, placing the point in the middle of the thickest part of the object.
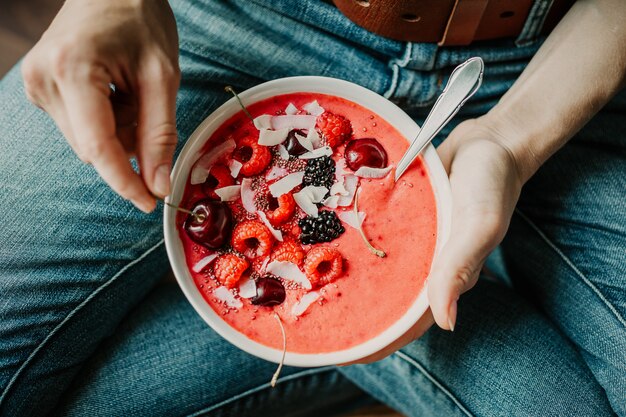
(21, 24)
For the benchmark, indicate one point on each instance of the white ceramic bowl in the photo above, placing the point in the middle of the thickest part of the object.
(190, 153)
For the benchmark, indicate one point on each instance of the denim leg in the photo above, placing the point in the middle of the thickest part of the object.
(503, 358)
(566, 248)
(165, 361)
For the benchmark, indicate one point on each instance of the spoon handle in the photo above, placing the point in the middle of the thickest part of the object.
(464, 81)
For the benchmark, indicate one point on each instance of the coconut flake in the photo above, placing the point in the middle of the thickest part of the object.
(313, 108)
(317, 153)
(350, 183)
(351, 218)
(263, 267)
(305, 142)
(247, 195)
(264, 121)
(338, 188)
(293, 121)
(331, 202)
(369, 172)
(305, 302)
(276, 172)
(234, 166)
(282, 151)
(340, 170)
(272, 137)
(247, 288)
(201, 168)
(278, 235)
(229, 193)
(314, 137)
(291, 109)
(290, 272)
(204, 262)
(286, 184)
(308, 197)
(222, 293)
(317, 192)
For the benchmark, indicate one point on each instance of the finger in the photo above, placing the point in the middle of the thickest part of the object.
(127, 137)
(456, 268)
(156, 128)
(86, 98)
(55, 107)
(125, 112)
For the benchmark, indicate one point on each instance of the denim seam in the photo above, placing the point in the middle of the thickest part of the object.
(436, 383)
(569, 263)
(259, 388)
(395, 65)
(72, 314)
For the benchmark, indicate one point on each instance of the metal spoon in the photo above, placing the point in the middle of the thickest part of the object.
(464, 81)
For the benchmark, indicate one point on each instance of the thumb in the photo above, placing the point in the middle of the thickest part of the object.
(156, 128)
(456, 268)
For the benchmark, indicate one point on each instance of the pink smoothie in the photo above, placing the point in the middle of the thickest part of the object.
(374, 292)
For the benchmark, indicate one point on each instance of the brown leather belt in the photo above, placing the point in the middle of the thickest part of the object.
(447, 22)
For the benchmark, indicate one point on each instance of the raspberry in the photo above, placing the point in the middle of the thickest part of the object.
(335, 129)
(254, 157)
(229, 268)
(320, 172)
(323, 265)
(282, 208)
(323, 228)
(219, 176)
(252, 238)
(288, 251)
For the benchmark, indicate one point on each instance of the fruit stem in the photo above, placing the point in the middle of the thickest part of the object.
(282, 359)
(199, 217)
(375, 251)
(229, 89)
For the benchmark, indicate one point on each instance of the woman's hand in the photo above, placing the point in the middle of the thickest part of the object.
(486, 185)
(132, 45)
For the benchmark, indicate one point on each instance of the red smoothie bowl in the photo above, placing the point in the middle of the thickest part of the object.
(286, 246)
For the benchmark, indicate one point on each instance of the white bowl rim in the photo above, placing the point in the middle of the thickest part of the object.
(314, 84)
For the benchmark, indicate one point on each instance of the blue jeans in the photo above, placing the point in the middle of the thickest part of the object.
(87, 327)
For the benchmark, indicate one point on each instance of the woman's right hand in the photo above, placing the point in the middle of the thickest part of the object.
(132, 45)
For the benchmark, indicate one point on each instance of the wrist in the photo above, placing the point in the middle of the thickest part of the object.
(517, 141)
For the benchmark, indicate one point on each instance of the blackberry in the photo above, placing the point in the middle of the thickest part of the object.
(319, 172)
(324, 228)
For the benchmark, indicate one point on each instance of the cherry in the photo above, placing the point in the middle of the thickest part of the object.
(292, 144)
(269, 292)
(365, 152)
(210, 224)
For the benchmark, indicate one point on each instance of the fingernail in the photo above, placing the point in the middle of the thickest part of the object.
(145, 206)
(162, 180)
(452, 316)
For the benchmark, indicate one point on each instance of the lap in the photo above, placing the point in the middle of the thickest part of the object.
(165, 361)
(503, 358)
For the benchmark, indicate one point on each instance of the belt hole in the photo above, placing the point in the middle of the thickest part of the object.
(506, 14)
(363, 3)
(411, 18)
